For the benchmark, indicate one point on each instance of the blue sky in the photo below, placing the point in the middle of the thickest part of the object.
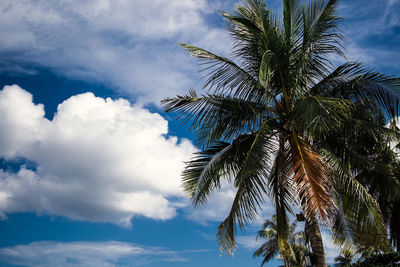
(89, 162)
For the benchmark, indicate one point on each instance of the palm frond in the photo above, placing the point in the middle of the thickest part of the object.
(321, 35)
(205, 170)
(354, 82)
(359, 220)
(311, 179)
(280, 189)
(251, 187)
(256, 30)
(226, 77)
(268, 251)
(246, 203)
(215, 117)
(320, 116)
(292, 20)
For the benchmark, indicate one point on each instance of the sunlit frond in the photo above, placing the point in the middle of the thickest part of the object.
(311, 179)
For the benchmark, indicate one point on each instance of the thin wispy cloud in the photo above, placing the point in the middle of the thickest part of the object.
(372, 33)
(88, 254)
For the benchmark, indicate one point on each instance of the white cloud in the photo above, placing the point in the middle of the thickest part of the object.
(392, 15)
(85, 254)
(132, 45)
(216, 208)
(128, 45)
(250, 242)
(370, 32)
(331, 250)
(99, 159)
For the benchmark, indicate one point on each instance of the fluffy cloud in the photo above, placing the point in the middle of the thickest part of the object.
(128, 45)
(98, 159)
(85, 254)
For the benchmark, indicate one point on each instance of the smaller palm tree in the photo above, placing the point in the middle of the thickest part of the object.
(345, 258)
(290, 249)
(300, 251)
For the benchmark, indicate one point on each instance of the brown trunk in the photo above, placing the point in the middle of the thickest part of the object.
(314, 235)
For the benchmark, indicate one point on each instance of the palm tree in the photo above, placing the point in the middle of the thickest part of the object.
(300, 251)
(345, 258)
(268, 112)
(291, 250)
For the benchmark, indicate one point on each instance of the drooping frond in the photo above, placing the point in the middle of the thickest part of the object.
(311, 179)
(358, 220)
(268, 251)
(280, 188)
(203, 173)
(247, 201)
(251, 187)
(280, 193)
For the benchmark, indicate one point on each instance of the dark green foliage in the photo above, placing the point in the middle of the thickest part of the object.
(391, 259)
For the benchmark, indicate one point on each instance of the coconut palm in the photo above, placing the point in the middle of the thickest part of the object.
(345, 258)
(292, 251)
(268, 112)
(300, 251)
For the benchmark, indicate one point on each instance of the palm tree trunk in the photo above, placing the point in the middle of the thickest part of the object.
(314, 235)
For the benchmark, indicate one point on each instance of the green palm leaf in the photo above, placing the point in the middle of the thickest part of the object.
(215, 117)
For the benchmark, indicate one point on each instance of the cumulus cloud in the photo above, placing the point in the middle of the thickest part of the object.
(128, 45)
(85, 254)
(98, 159)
